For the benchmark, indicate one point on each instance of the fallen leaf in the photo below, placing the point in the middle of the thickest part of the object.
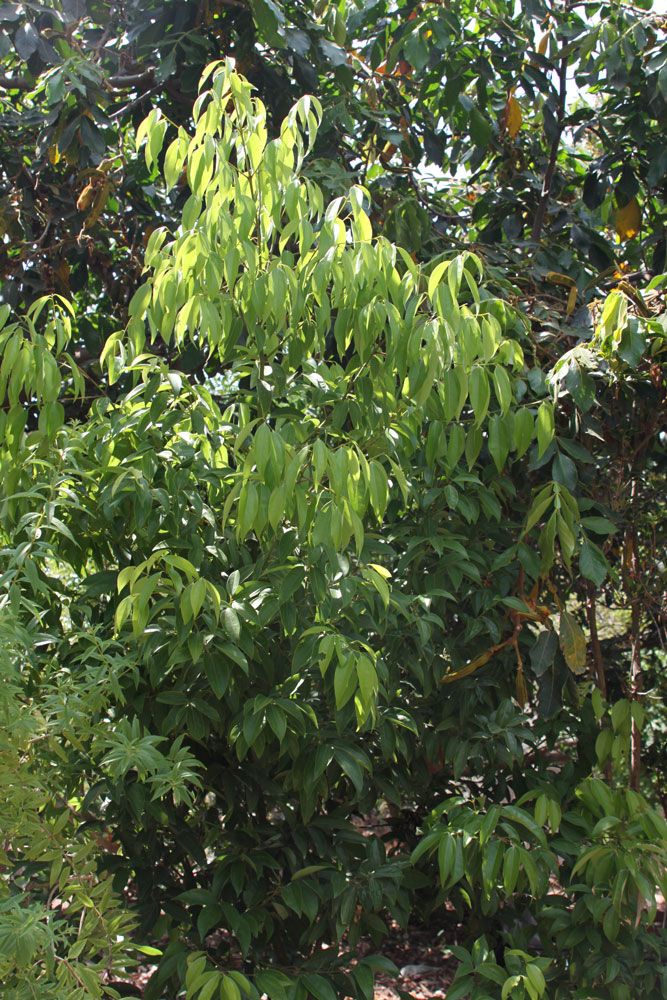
(628, 220)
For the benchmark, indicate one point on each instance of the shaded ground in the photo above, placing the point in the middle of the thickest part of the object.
(424, 971)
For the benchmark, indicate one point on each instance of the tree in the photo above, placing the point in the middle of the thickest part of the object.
(315, 532)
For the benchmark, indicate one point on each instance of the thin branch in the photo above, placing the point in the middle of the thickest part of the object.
(600, 675)
(541, 212)
(631, 586)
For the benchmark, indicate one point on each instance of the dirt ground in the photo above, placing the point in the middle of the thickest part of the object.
(424, 972)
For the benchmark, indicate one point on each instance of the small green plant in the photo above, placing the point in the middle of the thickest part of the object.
(519, 975)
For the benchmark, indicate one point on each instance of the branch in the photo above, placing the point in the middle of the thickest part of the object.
(131, 80)
(15, 83)
(540, 215)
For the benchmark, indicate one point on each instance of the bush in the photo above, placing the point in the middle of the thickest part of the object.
(564, 893)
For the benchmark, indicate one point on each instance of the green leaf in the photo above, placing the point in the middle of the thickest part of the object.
(492, 972)
(235, 654)
(536, 977)
(502, 387)
(460, 988)
(367, 678)
(173, 161)
(147, 949)
(197, 593)
(524, 427)
(543, 652)
(545, 427)
(480, 393)
(480, 128)
(248, 509)
(611, 924)
(518, 815)
(379, 491)
(592, 563)
(211, 986)
(230, 620)
(499, 441)
(345, 681)
(318, 987)
(565, 536)
(511, 862)
(446, 857)
(229, 990)
(274, 984)
(474, 440)
(510, 984)
(270, 21)
(351, 768)
(276, 509)
(540, 505)
(599, 525)
(378, 581)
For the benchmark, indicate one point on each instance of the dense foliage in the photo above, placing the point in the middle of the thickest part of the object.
(316, 503)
